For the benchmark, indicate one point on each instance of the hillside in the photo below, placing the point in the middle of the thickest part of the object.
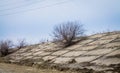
(99, 52)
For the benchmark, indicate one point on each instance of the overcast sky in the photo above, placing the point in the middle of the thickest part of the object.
(34, 19)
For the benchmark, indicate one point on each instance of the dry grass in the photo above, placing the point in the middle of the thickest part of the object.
(12, 68)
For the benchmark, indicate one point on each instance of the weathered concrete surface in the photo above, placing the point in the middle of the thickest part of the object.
(98, 52)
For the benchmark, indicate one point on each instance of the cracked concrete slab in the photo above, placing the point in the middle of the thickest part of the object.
(86, 48)
(112, 45)
(44, 53)
(107, 62)
(74, 53)
(38, 53)
(47, 58)
(97, 36)
(62, 60)
(109, 37)
(85, 59)
(99, 52)
(85, 42)
(100, 42)
(114, 53)
(57, 53)
(73, 47)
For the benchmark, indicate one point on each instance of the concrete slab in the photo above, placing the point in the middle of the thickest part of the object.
(85, 59)
(107, 62)
(44, 53)
(97, 36)
(62, 60)
(117, 39)
(35, 50)
(86, 48)
(85, 42)
(37, 53)
(28, 57)
(114, 53)
(74, 53)
(42, 47)
(57, 53)
(109, 37)
(18, 58)
(99, 52)
(27, 54)
(73, 47)
(114, 44)
(46, 58)
(36, 57)
(99, 42)
(22, 50)
(51, 49)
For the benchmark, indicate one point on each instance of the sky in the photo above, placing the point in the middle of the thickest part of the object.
(34, 20)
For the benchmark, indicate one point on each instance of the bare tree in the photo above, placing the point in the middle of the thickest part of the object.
(21, 43)
(67, 32)
(4, 47)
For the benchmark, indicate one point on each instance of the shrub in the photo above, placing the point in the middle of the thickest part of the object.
(4, 47)
(67, 32)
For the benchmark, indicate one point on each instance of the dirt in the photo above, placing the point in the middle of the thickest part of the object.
(12, 68)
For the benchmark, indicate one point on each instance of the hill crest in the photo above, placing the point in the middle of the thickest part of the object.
(99, 52)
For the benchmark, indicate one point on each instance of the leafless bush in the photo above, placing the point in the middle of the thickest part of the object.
(4, 47)
(67, 32)
(21, 43)
(42, 41)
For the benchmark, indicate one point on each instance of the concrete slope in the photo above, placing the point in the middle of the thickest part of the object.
(100, 52)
